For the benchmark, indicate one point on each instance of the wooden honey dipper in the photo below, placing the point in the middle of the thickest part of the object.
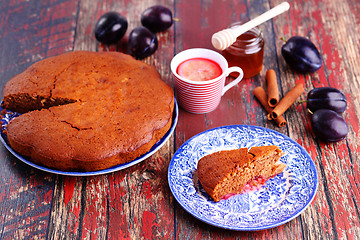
(226, 37)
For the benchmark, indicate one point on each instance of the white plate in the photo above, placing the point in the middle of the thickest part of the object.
(10, 115)
(280, 200)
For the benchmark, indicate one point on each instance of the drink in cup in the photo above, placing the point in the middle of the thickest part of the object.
(200, 75)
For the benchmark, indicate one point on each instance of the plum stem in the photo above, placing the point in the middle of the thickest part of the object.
(283, 39)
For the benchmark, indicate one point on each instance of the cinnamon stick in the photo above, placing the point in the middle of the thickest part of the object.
(272, 88)
(287, 101)
(261, 95)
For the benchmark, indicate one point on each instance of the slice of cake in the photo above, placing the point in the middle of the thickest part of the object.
(229, 172)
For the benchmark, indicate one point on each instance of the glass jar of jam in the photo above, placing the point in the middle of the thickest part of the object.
(247, 52)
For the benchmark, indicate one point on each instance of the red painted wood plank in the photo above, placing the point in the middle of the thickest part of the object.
(334, 197)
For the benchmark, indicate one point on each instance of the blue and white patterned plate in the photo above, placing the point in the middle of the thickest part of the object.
(10, 115)
(280, 200)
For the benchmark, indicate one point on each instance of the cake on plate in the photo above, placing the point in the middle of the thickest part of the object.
(87, 111)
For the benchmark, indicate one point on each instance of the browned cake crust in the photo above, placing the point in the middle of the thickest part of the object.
(87, 111)
(226, 172)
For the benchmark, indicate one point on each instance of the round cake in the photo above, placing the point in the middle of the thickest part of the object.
(87, 111)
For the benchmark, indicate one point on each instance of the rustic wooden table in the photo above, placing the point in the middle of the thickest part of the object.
(136, 203)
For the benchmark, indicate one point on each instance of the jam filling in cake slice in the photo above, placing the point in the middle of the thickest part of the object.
(226, 173)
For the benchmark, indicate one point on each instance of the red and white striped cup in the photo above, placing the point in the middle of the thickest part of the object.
(202, 96)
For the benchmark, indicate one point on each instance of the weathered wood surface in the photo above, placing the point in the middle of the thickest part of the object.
(136, 203)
